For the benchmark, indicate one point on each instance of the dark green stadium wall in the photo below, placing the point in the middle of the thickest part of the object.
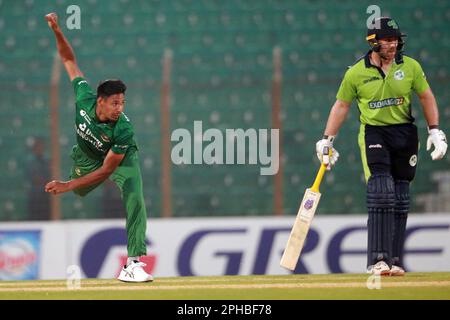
(221, 75)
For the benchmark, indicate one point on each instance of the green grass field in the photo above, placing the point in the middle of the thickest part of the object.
(291, 287)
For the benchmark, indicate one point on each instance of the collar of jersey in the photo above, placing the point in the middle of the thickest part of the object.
(95, 118)
(398, 59)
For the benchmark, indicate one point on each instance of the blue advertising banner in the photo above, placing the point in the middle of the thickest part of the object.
(20, 254)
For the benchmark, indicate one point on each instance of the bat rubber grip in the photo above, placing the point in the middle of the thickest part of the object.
(319, 177)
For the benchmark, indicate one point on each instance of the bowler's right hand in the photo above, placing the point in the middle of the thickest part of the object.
(56, 187)
(52, 20)
(326, 153)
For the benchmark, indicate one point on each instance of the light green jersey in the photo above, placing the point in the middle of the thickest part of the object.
(97, 138)
(383, 99)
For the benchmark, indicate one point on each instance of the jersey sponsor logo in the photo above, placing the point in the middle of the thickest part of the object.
(85, 116)
(389, 102)
(371, 79)
(399, 75)
(376, 146)
(413, 160)
(89, 136)
(82, 126)
(119, 146)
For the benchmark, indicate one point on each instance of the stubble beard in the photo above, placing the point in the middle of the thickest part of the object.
(387, 56)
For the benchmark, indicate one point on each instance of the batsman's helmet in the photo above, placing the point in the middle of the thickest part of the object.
(384, 27)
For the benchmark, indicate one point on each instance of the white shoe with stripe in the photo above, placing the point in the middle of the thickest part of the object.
(134, 272)
(380, 269)
(397, 271)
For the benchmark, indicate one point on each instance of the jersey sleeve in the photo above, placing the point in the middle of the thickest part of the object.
(82, 89)
(123, 137)
(420, 83)
(123, 143)
(347, 90)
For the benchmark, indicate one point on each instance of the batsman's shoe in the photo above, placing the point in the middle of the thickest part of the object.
(397, 271)
(379, 269)
(134, 272)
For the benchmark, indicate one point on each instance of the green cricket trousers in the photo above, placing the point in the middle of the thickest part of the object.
(128, 178)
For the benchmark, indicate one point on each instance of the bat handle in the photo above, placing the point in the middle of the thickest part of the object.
(319, 177)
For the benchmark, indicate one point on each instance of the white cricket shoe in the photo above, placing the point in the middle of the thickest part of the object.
(397, 271)
(134, 272)
(380, 269)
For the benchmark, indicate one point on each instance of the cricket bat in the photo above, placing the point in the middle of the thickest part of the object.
(302, 223)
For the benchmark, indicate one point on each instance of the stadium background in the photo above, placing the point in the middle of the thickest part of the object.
(222, 75)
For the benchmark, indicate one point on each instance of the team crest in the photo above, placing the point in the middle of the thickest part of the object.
(399, 75)
(413, 160)
(105, 137)
(308, 204)
(392, 24)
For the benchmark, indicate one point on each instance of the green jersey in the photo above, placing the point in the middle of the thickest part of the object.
(383, 99)
(97, 138)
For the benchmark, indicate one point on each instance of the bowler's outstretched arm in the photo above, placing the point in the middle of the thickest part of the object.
(64, 49)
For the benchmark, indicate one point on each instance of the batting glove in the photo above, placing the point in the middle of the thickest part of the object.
(326, 153)
(437, 138)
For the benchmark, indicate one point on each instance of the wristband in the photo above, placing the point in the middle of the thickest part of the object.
(434, 126)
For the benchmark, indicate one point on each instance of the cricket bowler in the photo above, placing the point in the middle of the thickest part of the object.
(105, 149)
(382, 81)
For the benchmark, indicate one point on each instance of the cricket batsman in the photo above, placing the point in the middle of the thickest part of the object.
(382, 81)
(105, 149)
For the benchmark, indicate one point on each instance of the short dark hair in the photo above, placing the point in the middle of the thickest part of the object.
(109, 87)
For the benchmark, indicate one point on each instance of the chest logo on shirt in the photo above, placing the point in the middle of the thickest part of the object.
(371, 79)
(399, 75)
(105, 137)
